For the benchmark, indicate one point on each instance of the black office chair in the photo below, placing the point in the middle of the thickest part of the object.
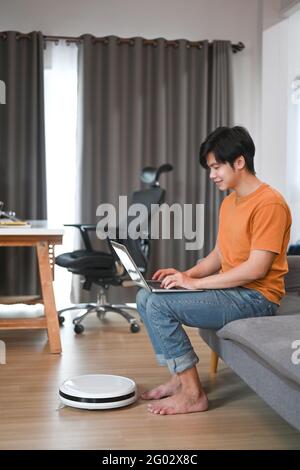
(103, 268)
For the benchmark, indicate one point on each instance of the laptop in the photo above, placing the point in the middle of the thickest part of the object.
(136, 275)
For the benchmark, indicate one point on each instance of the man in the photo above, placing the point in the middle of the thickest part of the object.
(242, 277)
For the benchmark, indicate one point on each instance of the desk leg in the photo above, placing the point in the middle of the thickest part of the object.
(48, 297)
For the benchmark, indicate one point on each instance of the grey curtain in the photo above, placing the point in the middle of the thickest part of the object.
(22, 151)
(146, 103)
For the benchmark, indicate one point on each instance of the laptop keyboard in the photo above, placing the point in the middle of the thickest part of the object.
(157, 285)
(154, 283)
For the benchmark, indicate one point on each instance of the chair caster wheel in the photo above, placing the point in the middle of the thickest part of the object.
(100, 315)
(134, 328)
(78, 329)
(61, 320)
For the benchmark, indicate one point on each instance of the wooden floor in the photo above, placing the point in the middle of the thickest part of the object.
(30, 416)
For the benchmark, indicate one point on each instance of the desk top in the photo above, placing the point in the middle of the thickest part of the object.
(37, 227)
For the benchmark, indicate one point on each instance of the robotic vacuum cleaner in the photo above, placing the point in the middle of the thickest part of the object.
(98, 391)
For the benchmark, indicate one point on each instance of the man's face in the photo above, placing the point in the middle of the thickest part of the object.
(222, 174)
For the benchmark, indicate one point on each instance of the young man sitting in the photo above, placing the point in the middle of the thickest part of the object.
(250, 261)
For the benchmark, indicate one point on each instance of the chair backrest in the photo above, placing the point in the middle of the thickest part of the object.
(153, 195)
(139, 248)
(151, 198)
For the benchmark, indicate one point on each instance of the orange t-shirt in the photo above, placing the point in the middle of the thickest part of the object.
(259, 221)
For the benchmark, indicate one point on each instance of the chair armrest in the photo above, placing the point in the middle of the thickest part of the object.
(292, 278)
(84, 229)
(82, 226)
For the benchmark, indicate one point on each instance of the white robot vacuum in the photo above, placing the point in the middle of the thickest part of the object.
(98, 391)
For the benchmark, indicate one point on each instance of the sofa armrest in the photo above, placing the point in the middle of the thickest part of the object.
(292, 278)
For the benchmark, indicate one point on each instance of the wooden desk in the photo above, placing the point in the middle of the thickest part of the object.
(43, 238)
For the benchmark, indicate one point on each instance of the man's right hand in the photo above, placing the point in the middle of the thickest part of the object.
(162, 273)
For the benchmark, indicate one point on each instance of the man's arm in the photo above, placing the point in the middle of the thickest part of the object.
(211, 264)
(256, 267)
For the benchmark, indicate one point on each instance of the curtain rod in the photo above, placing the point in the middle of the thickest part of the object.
(150, 42)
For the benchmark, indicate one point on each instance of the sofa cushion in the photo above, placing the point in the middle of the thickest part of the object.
(271, 338)
(289, 305)
(292, 278)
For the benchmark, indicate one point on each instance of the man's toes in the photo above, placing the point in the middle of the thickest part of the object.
(154, 394)
(153, 409)
(149, 395)
(165, 410)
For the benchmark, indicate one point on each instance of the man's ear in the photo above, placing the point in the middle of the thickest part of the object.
(239, 163)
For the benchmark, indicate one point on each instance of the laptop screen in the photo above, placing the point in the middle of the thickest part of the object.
(129, 264)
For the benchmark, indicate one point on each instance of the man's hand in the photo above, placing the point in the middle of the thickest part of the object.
(179, 279)
(162, 273)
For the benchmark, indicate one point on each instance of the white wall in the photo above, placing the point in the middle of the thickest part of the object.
(236, 20)
(280, 117)
(271, 12)
(194, 19)
(289, 7)
(274, 106)
(275, 11)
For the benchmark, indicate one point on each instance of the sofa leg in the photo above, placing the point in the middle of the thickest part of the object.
(213, 362)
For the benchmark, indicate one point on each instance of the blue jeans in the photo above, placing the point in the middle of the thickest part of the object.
(164, 314)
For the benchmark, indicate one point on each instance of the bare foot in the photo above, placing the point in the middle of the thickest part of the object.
(164, 390)
(180, 403)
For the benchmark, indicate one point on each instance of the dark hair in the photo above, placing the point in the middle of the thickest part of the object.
(228, 143)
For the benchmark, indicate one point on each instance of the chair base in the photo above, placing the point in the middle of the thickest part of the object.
(100, 308)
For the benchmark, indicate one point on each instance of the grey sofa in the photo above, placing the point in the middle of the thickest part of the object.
(265, 351)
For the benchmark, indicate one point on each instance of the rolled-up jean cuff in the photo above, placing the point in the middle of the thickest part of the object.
(161, 359)
(181, 363)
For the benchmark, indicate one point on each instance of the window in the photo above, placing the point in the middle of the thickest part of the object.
(60, 126)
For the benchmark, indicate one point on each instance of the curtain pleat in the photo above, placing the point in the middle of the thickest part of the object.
(22, 152)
